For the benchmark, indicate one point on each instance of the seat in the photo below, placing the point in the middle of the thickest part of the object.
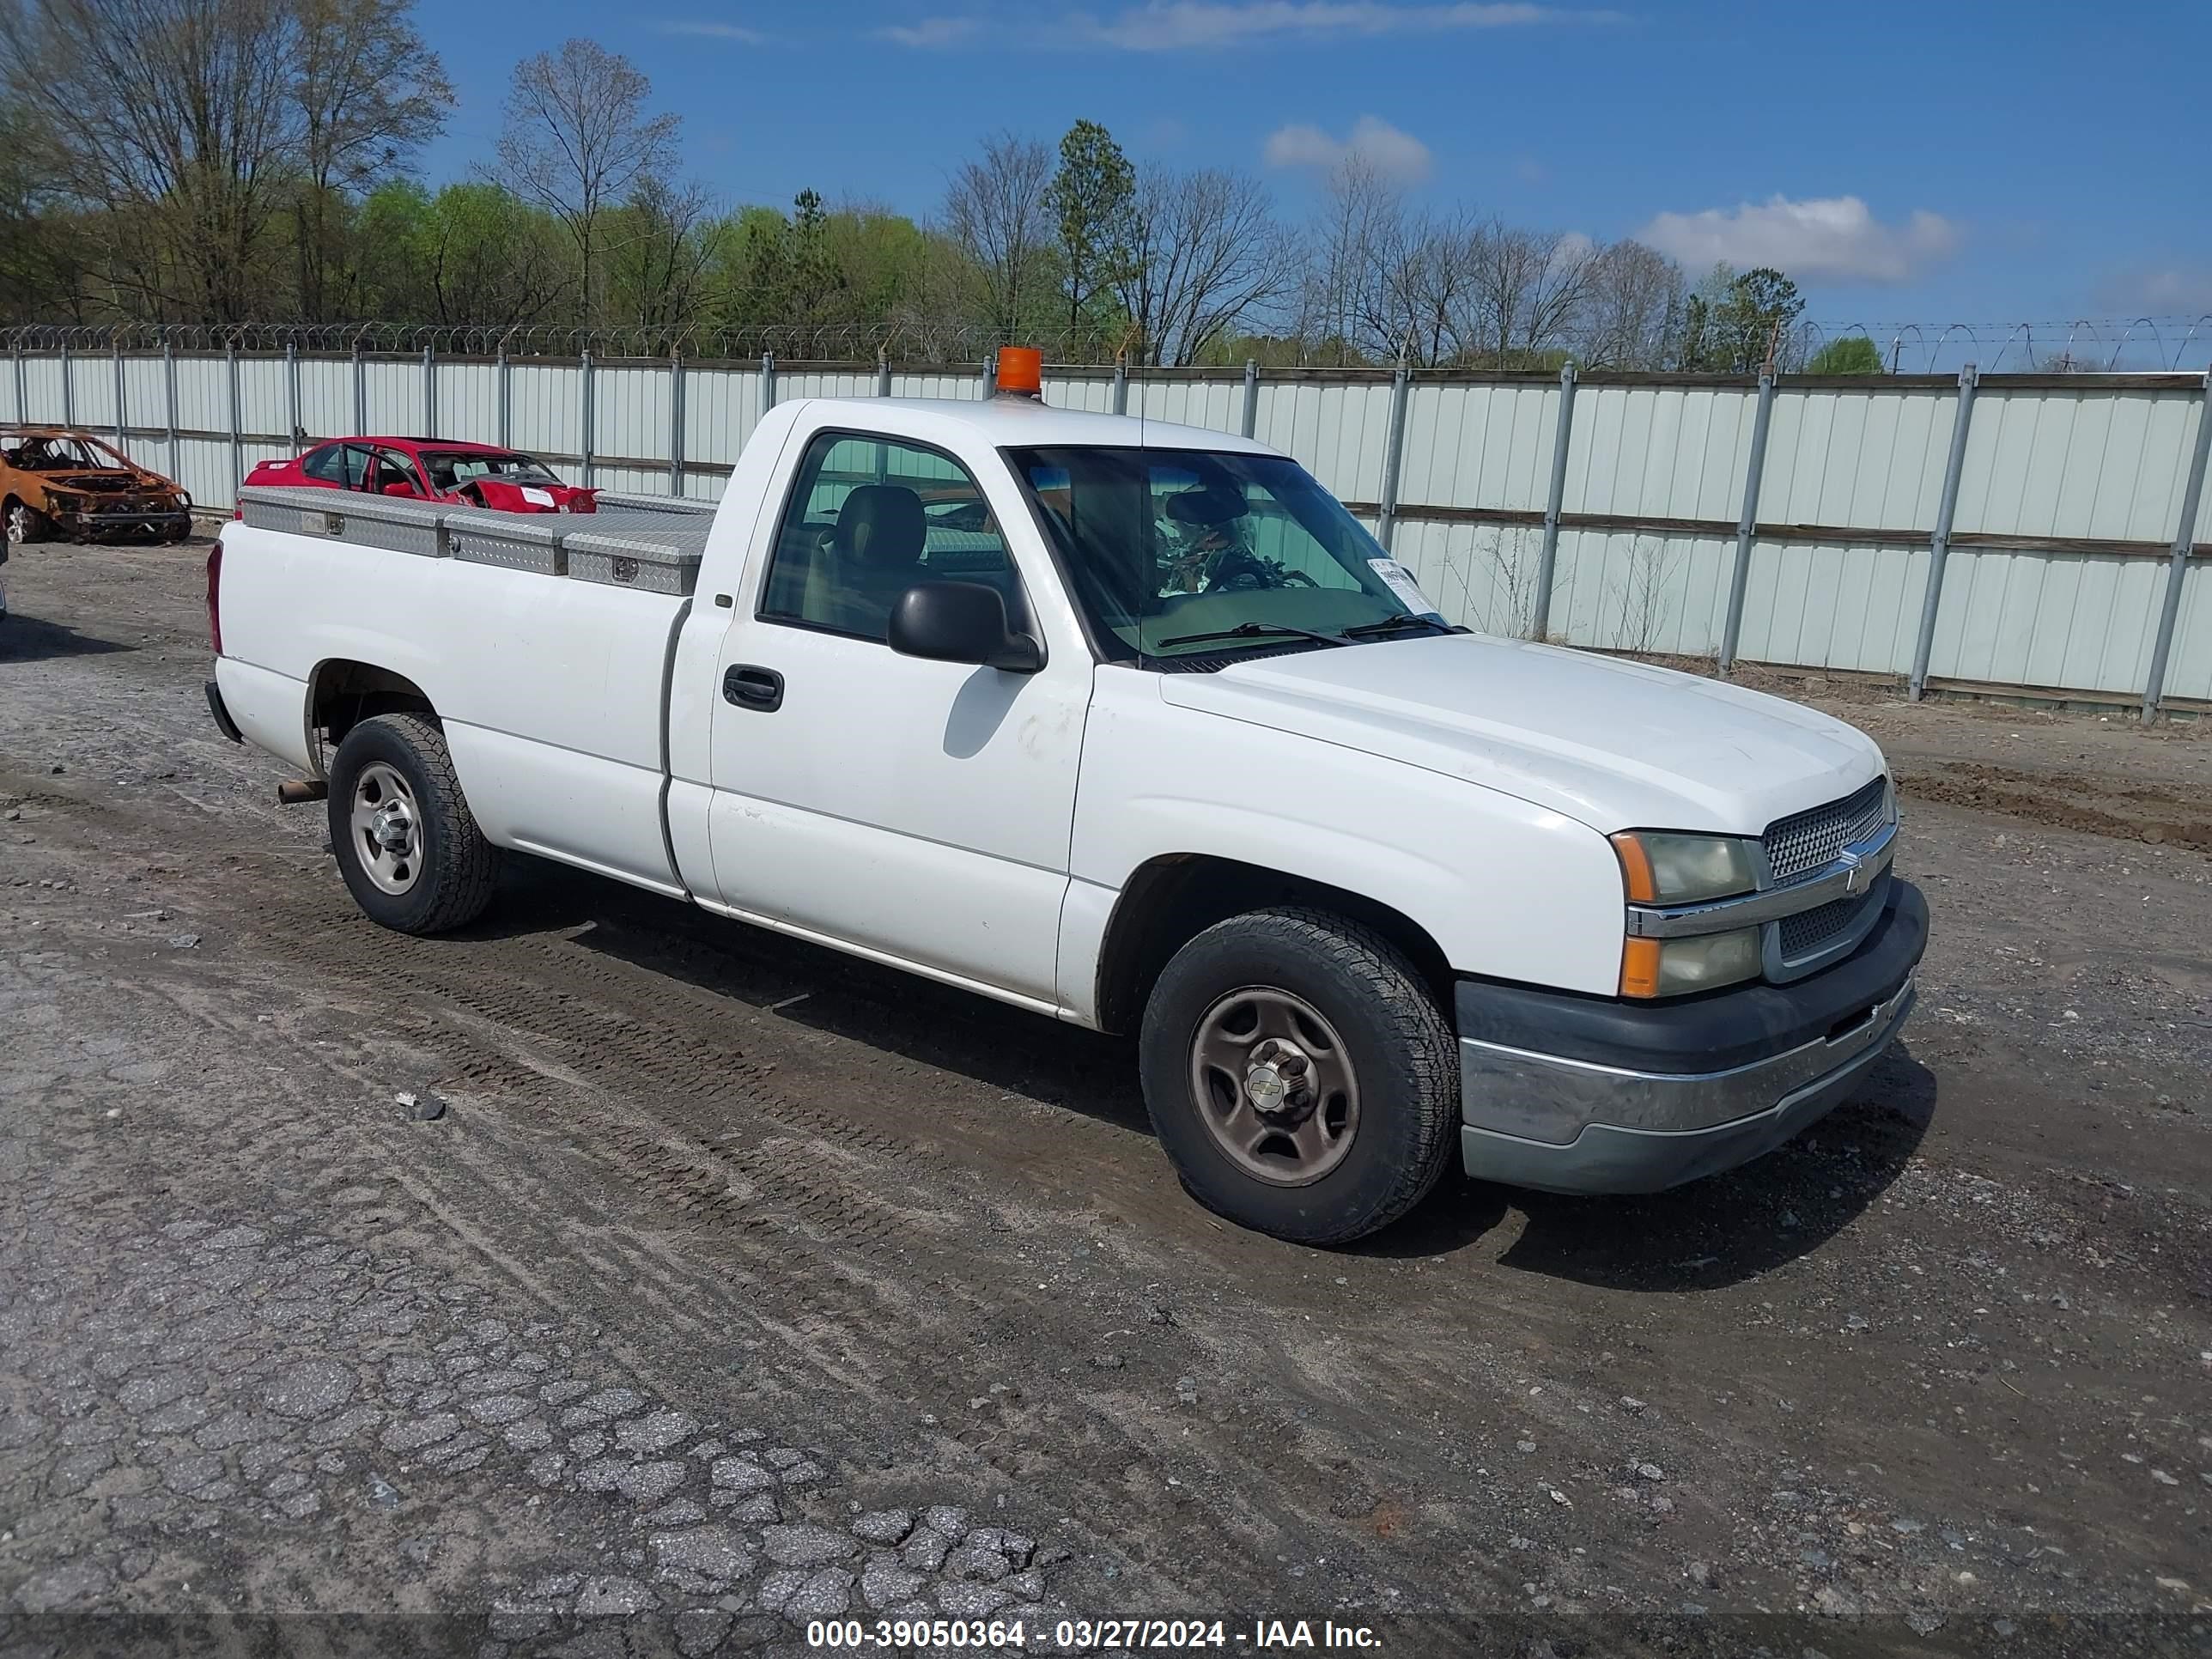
(871, 557)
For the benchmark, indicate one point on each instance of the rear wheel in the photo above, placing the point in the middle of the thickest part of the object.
(1300, 1075)
(406, 842)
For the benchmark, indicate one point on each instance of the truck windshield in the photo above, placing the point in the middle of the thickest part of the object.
(1176, 552)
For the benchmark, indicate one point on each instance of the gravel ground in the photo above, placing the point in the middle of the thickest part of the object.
(610, 1278)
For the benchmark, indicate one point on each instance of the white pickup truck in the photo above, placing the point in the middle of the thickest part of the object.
(1133, 726)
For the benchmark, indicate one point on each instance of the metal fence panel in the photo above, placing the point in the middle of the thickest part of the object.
(327, 408)
(392, 400)
(545, 408)
(2084, 623)
(1872, 461)
(1661, 451)
(1840, 604)
(2190, 672)
(468, 402)
(1641, 591)
(2099, 463)
(1337, 430)
(630, 412)
(721, 407)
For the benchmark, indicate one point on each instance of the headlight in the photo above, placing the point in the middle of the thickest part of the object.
(1666, 869)
(1676, 967)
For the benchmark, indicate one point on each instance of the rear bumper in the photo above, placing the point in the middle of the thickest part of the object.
(221, 713)
(1582, 1094)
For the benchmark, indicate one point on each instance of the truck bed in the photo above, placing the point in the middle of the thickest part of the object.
(542, 640)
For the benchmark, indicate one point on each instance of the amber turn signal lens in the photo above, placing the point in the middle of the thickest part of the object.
(1635, 871)
(1021, 370)
(1639, 967)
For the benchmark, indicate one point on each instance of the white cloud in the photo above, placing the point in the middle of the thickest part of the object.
(1832, 238)
(707, 28)
(931, 32)
(1392, 152)
(1174, 25)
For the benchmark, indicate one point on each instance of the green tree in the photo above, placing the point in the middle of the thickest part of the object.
(1092, 198)
(1734, 319)
(1854, 354)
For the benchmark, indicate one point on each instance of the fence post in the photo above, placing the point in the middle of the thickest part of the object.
(430, 394)
(768, 381)
(1547, 559)
(120, 422)
(1747, 524)
(298, 433)
(1939, 544)
(1393, 457)
(169, 398)
(69, 388)
(503, 395)
(590, 419)
(2184, 540)
(882, 372)
(237, 432)
(1121, 385)
(990, 377)
(1251, 419)
(676, 420)
(23, 385)
(360, 389)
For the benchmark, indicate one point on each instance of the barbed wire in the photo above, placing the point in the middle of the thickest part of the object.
(2103, 344)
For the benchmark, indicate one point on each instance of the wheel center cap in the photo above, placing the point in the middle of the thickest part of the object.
(1266, 1088)
(392, 827)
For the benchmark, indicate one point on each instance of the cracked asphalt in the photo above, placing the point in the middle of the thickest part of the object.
(610, 1279)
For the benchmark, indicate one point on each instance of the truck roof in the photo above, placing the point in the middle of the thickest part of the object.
(1004, 421)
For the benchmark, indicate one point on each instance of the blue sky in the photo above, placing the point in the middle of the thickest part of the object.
(1908, 162)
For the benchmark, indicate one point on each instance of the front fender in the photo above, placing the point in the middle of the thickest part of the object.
(1507, 889)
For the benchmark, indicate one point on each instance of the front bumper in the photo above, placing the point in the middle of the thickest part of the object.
(105, 525)
(1589, 1095)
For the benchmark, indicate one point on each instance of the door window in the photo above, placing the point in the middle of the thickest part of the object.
(869, 517)
(345, 465)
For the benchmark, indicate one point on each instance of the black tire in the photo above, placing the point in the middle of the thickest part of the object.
(1394, 1039)
(449, 881)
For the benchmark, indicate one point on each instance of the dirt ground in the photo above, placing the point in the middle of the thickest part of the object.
(610, 1279)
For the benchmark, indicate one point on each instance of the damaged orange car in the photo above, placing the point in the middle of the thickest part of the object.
(57, 483)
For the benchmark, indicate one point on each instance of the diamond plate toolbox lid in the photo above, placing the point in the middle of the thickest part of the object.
(515, 541)
(346, 515)
(663, 560)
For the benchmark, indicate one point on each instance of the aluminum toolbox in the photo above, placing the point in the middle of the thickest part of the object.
(662, 561)
(515, 541)
(346, 515)
(659, 506)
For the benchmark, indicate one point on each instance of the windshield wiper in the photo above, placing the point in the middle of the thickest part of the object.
(1391, 625)
(1254, 631)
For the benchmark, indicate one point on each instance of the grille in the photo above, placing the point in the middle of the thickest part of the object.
(1801, 844)
(1810, 930)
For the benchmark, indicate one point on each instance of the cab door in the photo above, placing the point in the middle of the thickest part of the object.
(913, 811)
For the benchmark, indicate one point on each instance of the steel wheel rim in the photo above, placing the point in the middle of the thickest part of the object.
(386, 826)
(1275, 1085)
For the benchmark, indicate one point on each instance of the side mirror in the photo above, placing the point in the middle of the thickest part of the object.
(960, 622)
(400, 487)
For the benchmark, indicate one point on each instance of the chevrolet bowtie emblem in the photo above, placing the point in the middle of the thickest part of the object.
(1856, 877)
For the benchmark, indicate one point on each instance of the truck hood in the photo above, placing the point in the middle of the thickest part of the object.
(1613, 743)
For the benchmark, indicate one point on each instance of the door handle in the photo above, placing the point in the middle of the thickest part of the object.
(751, 687)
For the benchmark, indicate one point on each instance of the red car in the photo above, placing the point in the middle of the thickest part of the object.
(431, 469)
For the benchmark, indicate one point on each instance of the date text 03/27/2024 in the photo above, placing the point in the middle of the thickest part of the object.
(1087, 1635)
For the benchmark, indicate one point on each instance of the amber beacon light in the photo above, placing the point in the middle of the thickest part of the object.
(1021, 371)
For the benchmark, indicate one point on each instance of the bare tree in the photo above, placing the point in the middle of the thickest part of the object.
(1529, 287)
(1205, 251)
(666, 239)
(578, 139)
(998, 210)
(1362, 215)
(173, 118)
(369, 93)
(1631, 309)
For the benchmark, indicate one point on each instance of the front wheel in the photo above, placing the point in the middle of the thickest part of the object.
(1300, 1075)
(406, 842)
(27, 524)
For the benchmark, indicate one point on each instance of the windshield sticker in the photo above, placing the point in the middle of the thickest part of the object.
(1399, 580)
